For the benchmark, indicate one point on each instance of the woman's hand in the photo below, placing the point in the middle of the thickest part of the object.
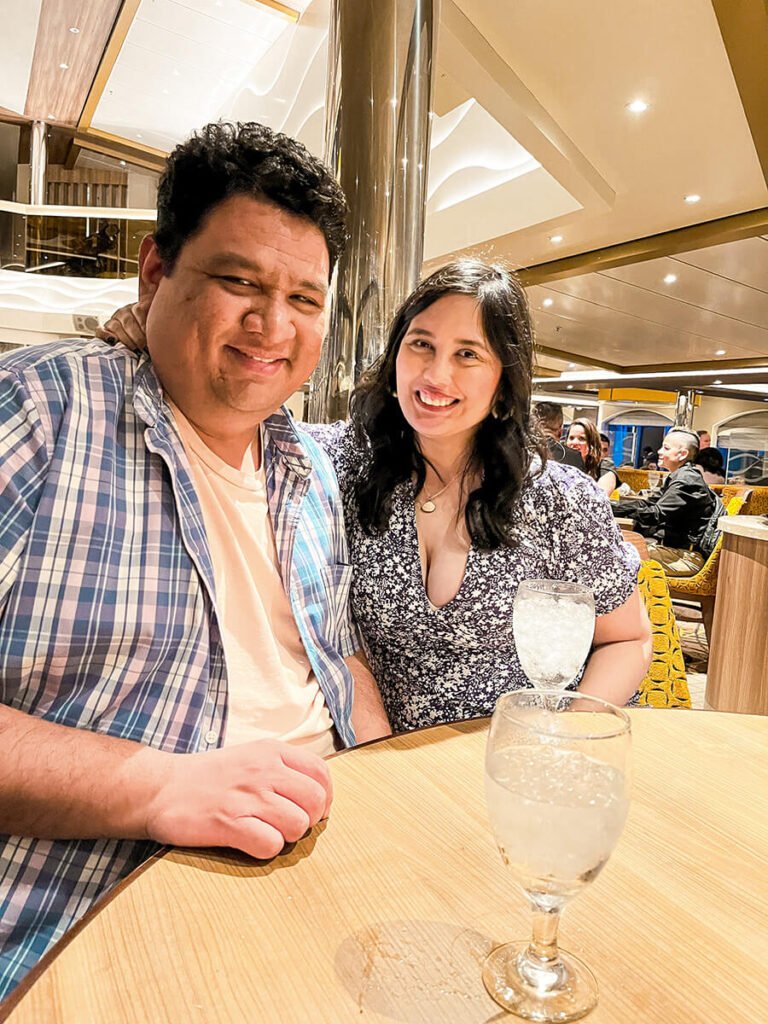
(128, 326)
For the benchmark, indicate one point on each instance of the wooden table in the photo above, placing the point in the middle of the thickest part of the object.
(737, 674)
(385, 912)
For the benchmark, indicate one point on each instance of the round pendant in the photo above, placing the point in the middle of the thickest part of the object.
(428, 506)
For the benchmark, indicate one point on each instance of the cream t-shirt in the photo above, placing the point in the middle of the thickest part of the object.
(273, 692)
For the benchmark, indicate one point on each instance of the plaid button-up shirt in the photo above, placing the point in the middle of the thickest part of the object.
(107, 601)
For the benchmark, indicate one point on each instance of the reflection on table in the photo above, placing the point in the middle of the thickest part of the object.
(385, 912)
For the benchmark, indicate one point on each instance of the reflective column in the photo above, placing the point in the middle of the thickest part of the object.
(684, 409)
(380, 62)
(38, 160)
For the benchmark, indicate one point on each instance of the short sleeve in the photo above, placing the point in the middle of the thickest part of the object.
(587, 544)
(339, 443)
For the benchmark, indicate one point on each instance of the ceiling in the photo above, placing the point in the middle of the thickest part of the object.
(532, 141)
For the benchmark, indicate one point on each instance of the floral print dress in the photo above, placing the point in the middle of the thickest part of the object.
(438, 665)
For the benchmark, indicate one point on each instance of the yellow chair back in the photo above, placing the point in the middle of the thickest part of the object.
(665, 685)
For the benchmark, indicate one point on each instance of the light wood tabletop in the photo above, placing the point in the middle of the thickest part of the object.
(385, 912)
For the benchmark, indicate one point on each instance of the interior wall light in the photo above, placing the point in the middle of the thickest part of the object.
(637, 106)
(670, 278)
(555, 239)
(694, 197)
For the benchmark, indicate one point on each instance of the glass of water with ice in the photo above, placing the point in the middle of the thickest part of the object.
(557, 787)
(553, 623)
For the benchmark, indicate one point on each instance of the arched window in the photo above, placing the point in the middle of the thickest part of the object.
(633, 432)
(743, 440)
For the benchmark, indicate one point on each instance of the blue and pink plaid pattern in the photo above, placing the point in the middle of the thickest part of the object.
(107, 601)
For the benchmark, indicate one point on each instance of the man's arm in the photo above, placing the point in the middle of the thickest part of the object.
(369, 719)
(57, 782)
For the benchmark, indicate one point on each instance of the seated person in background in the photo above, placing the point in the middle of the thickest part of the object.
(606, 462)
(584, 438)
(711, 465)
(174, 565)
(649, 458)
(676, 516)
(705, 439)
(548, 423)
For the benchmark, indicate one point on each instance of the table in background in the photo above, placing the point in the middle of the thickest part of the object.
(737, 673)
(385, 912)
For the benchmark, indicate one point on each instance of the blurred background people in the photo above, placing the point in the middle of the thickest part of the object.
(548, 421)
(711, 465)
(584, 438)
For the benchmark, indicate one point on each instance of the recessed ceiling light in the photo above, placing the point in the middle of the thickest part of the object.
(74, 30)
(670, 278)
(637, 106)
(692, 198)
(720, 352)
(569, 387)
(122, 163)
(571, 366)
(548, 302)
(139, 135)
(717, 382)
(555, 238)
(64, 67)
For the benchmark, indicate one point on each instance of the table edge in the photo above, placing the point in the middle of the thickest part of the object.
(12, 1000)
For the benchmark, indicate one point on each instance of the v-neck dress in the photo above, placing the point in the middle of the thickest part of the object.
(438, 665)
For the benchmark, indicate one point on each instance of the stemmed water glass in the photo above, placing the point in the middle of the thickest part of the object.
(553, 622)
(557, 786)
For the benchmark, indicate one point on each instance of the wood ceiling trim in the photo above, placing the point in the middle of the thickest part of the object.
(575, 357)
(121, 149)
(703, 364)
(744, 28)
(667, 243)
(275, 5)
(56, 94)
(120, 29)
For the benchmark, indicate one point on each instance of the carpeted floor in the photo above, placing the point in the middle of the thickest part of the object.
(693, 641)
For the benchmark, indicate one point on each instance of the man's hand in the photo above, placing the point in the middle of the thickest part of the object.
(254, 797)
(128, 325)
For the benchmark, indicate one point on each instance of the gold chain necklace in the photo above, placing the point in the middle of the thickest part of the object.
(429, 505)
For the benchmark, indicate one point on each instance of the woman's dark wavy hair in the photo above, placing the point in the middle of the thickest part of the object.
(223, 160)
(504, 446)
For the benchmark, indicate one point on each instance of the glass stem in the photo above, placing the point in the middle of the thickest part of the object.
(543, 949)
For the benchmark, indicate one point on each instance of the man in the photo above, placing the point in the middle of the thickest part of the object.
(548, 418)
(172, 556)
(705, 439)
(678, 515)
(606, 462)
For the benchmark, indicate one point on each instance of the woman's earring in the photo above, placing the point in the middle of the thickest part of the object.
(393, 392)
(498, 412)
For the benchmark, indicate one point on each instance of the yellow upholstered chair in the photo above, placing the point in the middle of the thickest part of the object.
(636, 478)
(758, 497)
(702, 587)
(666, 685)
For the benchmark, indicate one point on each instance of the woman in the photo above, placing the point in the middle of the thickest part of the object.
(584, 437)
(448, 505)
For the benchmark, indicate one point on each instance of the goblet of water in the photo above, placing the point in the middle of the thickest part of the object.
(553, 622)
(557, 786)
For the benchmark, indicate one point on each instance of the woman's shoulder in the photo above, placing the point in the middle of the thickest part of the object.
(561, 483)
(339, 442)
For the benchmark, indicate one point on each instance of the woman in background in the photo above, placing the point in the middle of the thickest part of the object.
(584, 437)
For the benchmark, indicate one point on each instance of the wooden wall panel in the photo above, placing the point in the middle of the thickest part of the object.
(56, 94)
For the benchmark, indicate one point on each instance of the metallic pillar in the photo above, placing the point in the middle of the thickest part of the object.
(686, 403)
(380, 60)
(38, 160)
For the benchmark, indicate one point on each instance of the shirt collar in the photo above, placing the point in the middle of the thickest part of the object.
(279, 430)
(280, 433)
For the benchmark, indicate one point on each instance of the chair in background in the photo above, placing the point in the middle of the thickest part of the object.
(702, 587)
(636, 478)
(665, 685)
(758, 497)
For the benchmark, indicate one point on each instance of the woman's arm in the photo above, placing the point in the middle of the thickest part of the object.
(621, 652)
(608, 482)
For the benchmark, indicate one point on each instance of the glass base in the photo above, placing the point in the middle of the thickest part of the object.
(567, 990)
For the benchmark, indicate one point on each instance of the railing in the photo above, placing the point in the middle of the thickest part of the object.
(72, 241)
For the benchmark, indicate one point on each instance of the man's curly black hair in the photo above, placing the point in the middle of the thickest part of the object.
(223, 160)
